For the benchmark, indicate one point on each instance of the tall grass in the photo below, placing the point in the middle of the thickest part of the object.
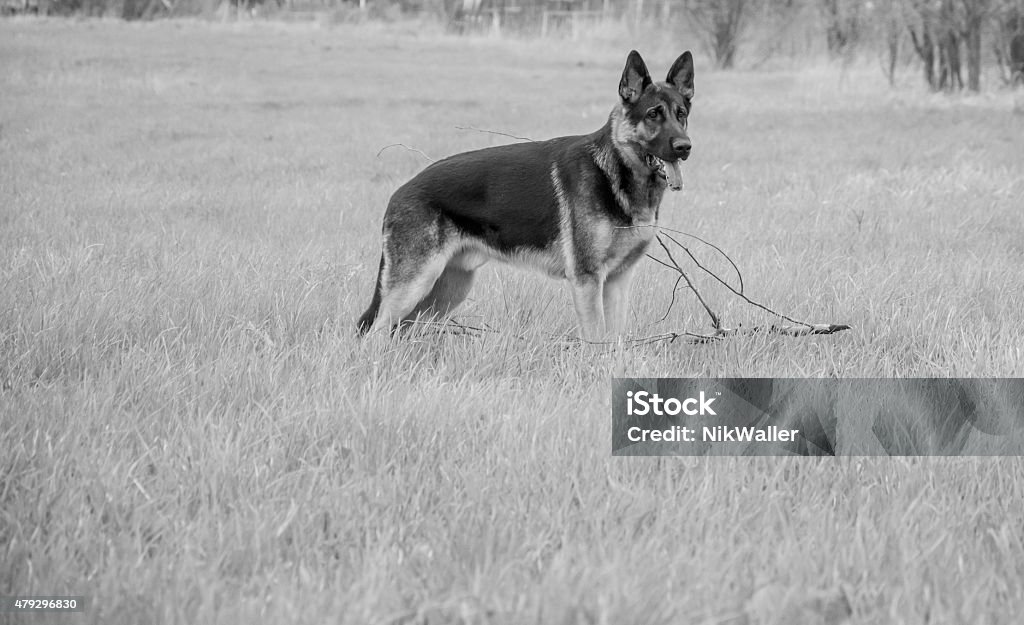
(189, 431)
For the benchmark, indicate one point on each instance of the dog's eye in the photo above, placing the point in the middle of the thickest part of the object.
(653, 113)
(681, 114)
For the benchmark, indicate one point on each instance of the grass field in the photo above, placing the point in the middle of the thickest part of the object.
(190, 433)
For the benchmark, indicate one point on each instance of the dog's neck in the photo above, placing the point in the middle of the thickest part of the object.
(627, 150)
(638, 190)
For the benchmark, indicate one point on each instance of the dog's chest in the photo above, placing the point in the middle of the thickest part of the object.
(623, 245)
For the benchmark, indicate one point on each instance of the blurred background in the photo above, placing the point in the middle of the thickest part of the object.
(951, 43)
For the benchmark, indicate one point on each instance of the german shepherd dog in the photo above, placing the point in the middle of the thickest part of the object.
(583, 208)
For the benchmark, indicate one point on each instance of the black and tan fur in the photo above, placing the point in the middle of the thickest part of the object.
(559, 206)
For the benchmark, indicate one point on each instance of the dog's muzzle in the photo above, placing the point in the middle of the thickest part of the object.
(667, 170)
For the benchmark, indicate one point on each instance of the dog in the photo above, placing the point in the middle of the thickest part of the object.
(583, 208)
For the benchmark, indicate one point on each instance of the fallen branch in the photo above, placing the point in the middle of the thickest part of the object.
(715, 322)
(697, 338)
(729, 286)
(800, 328)
(445, 327)
(739, 275)
(804, 330)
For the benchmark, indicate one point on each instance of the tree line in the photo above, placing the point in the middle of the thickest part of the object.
(952, 41)
(947, 37)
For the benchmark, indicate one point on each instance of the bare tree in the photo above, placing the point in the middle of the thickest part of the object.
(1009, 40)
(889, 30)
(844, 21)
(946, 31)
(920, 25)
(934, 31)
(721, 24)
(973, 16)
(950, 77)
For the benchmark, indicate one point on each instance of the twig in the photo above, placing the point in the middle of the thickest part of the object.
(739, 275)
(670, 337)
(671, 302)
(495, 132)
(660, 262)
(675, 288)
(447, 326)
(694, 338)
(729, 286)
(735, 268)
(715, 323)
(806, 329)
(402, 145)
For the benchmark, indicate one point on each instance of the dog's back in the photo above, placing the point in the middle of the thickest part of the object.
(501, 194)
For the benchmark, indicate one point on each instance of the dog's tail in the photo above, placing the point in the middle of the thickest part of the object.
(366, 321)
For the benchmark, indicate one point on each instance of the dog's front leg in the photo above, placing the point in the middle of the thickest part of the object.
(616, 301)
(587, 297)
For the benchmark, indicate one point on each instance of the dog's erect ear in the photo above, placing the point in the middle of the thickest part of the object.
(681, 74)
(635, 78)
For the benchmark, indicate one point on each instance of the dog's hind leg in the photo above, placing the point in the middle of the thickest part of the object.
(451, 287)
(449, 291)
(426, 271)
(407, 284)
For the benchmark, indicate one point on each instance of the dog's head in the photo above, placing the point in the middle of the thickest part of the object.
(654, 115)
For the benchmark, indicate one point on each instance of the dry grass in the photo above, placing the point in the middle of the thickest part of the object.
(190, 433)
